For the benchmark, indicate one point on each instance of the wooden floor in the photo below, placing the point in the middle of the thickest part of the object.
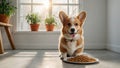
(50, 59)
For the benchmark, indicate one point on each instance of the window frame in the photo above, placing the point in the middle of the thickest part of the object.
(19, 25)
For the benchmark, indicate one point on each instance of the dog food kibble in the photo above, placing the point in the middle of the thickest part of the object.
(81, 58)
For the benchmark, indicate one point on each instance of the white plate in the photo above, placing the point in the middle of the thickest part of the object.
(81, 63)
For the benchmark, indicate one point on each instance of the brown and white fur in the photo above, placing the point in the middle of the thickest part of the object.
(71, 40)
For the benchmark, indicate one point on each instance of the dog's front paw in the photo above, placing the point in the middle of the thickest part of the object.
(65, 58)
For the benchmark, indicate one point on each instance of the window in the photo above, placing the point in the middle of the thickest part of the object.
(45, 8)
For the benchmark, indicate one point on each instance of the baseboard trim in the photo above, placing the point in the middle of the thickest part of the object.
(53, 46)
(114, 47)
(95, 46)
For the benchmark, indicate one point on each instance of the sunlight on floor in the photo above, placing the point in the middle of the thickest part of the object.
(51, 54)
(25, 54)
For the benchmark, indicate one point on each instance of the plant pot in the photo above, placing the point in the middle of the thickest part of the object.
(34, 27)
(50, 27)
(4, 18)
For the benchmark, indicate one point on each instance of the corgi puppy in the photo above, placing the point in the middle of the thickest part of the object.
(71, 41)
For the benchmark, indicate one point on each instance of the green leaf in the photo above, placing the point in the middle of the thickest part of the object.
(33, 18)
(50, 20)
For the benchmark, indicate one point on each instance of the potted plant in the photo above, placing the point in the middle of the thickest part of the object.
(6, 11)
(34, 20)
(50, 23)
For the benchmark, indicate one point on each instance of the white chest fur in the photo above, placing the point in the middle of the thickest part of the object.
(71, 47)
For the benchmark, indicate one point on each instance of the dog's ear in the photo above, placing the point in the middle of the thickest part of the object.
(62, 16)
(82, 17)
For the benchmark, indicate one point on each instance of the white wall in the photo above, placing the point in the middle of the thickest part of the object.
(95, 26)
(95, 31)
(114, 25)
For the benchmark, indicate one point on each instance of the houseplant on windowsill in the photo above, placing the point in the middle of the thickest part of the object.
(34, 20)
(50, 23)
(6, 11)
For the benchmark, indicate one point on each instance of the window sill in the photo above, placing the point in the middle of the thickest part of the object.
(37, 32)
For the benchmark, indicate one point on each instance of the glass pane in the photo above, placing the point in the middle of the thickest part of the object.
(40, 1)
(40, 10)
(59, 1)
(73, 10)
(25, 1)
(24, 10)
(24, 25)
(74, 1)
(55, 13)
(56, 10)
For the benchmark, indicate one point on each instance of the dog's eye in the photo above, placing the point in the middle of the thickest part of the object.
(69, 24)
(76, 24)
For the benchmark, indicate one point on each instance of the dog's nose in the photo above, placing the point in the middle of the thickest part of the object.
(72, 30)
